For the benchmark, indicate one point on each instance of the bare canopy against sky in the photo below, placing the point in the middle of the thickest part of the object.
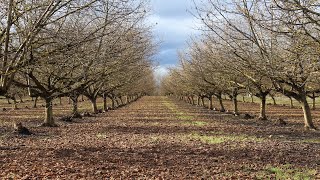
(174, 24)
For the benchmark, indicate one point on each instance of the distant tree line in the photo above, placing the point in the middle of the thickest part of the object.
(68, 48)
(256, 47)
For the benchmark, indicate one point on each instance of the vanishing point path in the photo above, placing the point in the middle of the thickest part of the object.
(159, 138)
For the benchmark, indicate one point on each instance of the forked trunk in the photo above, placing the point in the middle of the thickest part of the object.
(48, 121)
(308, 124)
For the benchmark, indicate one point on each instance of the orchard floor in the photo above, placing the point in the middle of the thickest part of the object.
(162, 138)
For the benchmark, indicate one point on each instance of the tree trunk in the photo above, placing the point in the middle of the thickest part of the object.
(35, 102)
(15, 104)
(210, 103)
(202, 101)
(117, 101)
(274, 100)
(21, 100)
(189, 100)
(252, 101)
(126, 100)
(8, 101)
(193, 101)
(308, 124)
(235, 105)
(313, 101)
(60, 100)
(75, 111)
(243, 100)
(93, 101)
(291, 102)
(222, 109)
(113, 104)
(48, 121)
(198, 100)
(121, 101)
(262, 115)
(105, 107)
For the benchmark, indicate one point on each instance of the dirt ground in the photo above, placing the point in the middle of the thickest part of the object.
(160, 138)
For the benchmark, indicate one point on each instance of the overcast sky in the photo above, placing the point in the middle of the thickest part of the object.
(173, 27)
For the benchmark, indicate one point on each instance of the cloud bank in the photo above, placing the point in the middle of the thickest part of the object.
(173, 27)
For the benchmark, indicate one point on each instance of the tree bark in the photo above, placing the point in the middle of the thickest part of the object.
(15, 103)
(308, 124)
(235, 105)
(202, 101)
(93, 101)
(126, 100)
(48, 121)
(75, 111)
(198, 100)
(262, 115)
(274, 100)
(313, 101)
(193, 101)
(117, 101)
(210, 102)
(121, 101)
(35, 102)
(21, 100)
(222, 109)
(8, 101)
(291, 102)
(113, 104)
(105, 107)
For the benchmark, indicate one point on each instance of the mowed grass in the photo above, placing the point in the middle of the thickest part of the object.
(216, 139)
(287, 171)
(186, 119)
